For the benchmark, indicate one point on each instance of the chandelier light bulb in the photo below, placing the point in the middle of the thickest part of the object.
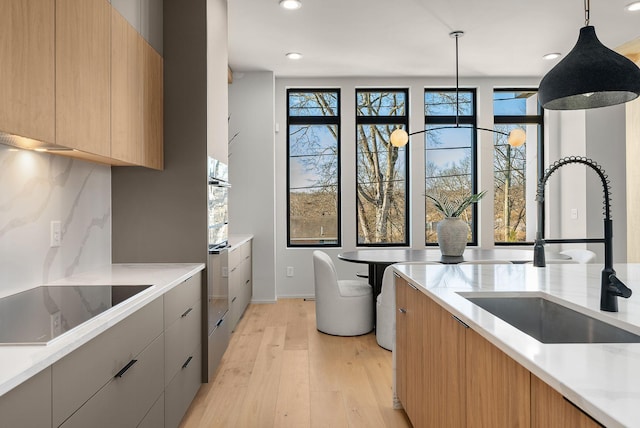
(399, 138)
(517, 137)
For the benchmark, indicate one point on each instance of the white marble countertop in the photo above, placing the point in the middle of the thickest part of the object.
(601, 379)
(19, 363)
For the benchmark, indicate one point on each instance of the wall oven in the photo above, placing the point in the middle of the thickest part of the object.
(217, 272)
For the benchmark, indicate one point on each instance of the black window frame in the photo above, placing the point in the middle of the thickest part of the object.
(465, 121)
(385, 120)
(315, 120)
(528, 120)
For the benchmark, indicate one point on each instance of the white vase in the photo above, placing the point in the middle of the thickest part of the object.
(452, 236)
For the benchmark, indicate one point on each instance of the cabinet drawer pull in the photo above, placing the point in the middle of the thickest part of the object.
(234, 299)
(460, 321)
(186, 363)
(125, 368)
(247, 281)
(219, 323)
(186, 313)
(402, 310)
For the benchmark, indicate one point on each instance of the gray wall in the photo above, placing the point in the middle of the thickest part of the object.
(252, 173)
(161, 216)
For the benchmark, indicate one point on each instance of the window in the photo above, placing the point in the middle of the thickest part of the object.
(381, 171)
(313, 159)
(515, 172)
(450, 154)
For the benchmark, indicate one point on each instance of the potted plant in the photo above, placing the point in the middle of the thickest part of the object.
(452, 230)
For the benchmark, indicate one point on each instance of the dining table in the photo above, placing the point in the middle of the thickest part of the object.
(378, 259)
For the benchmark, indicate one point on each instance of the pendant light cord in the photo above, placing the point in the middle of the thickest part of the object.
(457, 36)
(586, 13)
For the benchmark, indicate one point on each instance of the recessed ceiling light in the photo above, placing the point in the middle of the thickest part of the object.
(632, 7)
(294, 55)
(552, 55)
(291, 4)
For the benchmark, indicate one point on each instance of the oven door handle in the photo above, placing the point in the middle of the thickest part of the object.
(219, 183)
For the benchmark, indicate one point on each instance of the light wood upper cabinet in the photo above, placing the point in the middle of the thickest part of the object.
(153, 108)
(27, 106)
(83, 74)
(136, 97)
(126, 91)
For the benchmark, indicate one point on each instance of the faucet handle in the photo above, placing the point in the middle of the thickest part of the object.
(618, 288)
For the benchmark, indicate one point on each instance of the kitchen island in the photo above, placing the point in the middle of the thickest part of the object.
(600, 379)
(85, 360)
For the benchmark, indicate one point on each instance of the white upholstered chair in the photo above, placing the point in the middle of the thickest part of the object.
(386, 308)
(580, 256)
(343, 307)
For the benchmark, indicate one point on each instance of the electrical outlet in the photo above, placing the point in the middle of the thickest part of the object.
(56, 324)
(56, 234)
(289, 271)
(574, 213)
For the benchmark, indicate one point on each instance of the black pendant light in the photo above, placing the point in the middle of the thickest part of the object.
(590, 76)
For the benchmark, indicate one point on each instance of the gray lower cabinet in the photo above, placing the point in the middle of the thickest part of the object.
(142, 372)
(240, 281)
(183, 351)
(82, 373)
(183, 387)
(126, 399)
(154, 417)
(28, 405)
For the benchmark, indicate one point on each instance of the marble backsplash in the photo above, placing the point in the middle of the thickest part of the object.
(37, 188)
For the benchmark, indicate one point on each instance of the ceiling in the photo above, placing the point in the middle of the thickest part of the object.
(411, 37)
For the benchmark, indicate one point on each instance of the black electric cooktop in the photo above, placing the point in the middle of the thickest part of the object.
(38, 315)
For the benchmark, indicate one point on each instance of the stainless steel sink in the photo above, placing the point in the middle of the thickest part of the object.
(550, 322)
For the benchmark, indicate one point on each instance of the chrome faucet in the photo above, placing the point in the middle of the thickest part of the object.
(610, 287)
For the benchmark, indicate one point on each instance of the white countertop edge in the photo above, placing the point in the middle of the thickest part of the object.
(238, 240)
(447, 302)
(20, 363)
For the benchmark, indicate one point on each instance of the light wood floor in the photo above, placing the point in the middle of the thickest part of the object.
(279, 371)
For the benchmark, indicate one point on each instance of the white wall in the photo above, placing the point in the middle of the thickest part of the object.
(566, 133)
(252, 174)
(36, 188)
(606, 144)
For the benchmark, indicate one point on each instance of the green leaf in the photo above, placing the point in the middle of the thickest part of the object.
(454, 208)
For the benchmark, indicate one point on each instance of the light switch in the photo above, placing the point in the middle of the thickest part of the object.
(574, 213)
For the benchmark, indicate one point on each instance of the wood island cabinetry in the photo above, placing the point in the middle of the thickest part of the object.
(549, 409)
(449, 375)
